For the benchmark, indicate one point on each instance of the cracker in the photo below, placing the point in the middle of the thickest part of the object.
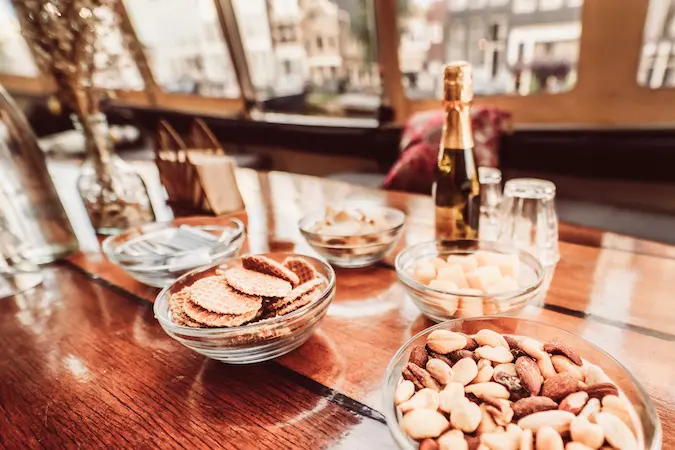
(254, 283)
(263, 264)
(178, 316)
(295, 294)
(304, 270)
(206, 317)
(300, 302)
(215, 295)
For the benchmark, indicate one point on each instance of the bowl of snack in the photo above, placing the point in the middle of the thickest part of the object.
(249, 309)
(158, 253)
(353, 236)
(509, 383)
(465, 278)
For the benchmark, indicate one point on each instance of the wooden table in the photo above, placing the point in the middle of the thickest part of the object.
(85, 363)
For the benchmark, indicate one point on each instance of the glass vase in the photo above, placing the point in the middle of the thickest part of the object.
(30, 209)
(114, 194)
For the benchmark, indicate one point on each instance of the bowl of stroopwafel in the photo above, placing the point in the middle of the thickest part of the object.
(247, 309)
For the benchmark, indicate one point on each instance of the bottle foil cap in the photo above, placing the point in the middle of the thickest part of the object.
(458, 82)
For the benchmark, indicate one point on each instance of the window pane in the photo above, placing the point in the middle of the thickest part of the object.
(516, 47)
(657, 64)
(184, 46)
(115, 68)
(313, 57)
(15, 57)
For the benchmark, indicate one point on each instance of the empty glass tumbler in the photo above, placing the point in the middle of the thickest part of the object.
(528, 218)
(17, 273)
(491, 196)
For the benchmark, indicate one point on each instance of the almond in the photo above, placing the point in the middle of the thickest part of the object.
(443, 358)
(531, 405)
(529, 374)
(471, 344)
(461, 354)
(418, 356)
(560, 386)
(560, 348)
(599, 390)
(574, 403)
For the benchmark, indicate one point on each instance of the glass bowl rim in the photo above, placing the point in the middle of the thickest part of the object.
(242, 329)
(399, 221)
(402, 440)
(108, 250)
(540, 271)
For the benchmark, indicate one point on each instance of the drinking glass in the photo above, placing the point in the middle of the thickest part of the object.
(17, 273)
(528, 220)
(490, 197)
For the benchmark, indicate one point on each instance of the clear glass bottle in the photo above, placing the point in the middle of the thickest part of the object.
(114, 194)
(30, 209)
(491, 196)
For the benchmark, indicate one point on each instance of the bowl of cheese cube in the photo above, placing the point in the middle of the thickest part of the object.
(465, 278)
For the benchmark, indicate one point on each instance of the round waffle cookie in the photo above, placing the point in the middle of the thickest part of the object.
(211, 319)
(177, 309)
(215, 295)
(263, 264)
(301, 267)
(297, 298)
(254, 283)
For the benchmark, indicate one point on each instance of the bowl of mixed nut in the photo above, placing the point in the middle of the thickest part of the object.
(353, 236)
(249, 309)
(468, 278)
(507, 383)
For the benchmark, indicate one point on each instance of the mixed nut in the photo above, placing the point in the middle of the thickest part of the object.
(499, 392)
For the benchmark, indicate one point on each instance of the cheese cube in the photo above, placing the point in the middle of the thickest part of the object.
(470, 306)
(483, 277)
(483, 258)
(425, 272)
(509, 265)
(469, 263)
(443, 285)
(438, 263)
(453, 273)
(506, 284)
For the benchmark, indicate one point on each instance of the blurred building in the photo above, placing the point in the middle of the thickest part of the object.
(516, 45)
(657, 64)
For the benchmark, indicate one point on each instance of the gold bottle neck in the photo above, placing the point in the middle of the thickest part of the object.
(457, 132)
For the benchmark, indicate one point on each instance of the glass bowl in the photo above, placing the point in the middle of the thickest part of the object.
(258, 341)
(646, 420)
(159, 253)
(443, 305)
(359, 250)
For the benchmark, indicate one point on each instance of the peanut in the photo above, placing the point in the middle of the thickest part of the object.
(464, 371)
(503, 440)
(535, 350)
(526, 440)
(424, 423)
(591, 409)
(439, 370)
(563, 364)
(424, 399)
(549, 439)
(574, 403)
(487, 423)
(484, 374)
(488, 389)
(450, 396)
(453, 440)
(444, 341)
(491, 338)
(465, 416)
(617, 433)
(509, 368)
(587, 433)
(613, 404)
(483, 362)
(404, 391)
(576, 446)
(496, 354)
(559, 420)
